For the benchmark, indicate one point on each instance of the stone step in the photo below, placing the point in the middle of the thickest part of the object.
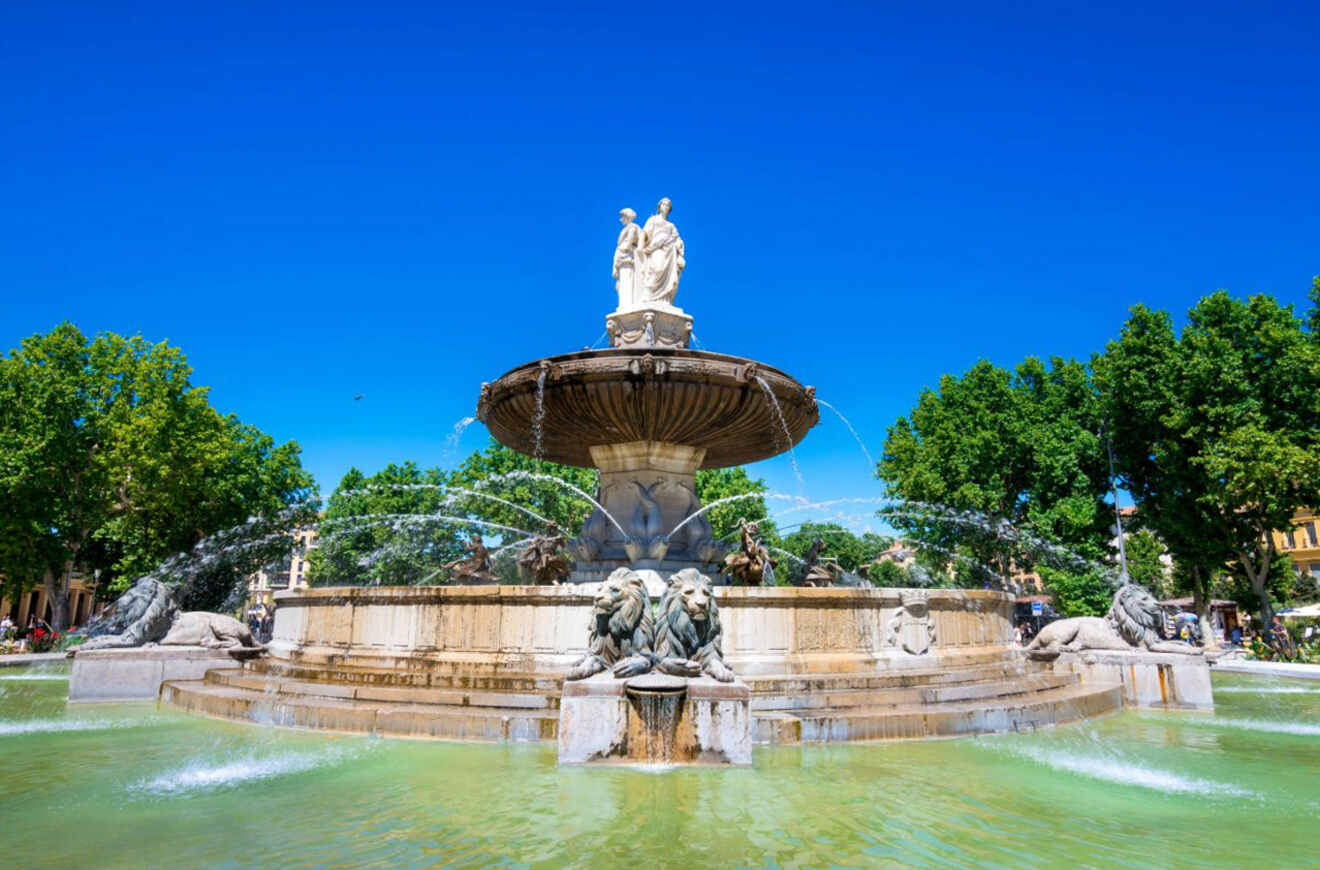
(384, 718)
(416, 678)
(998, 688)
(270, 684)
(949, 719)
(843, 698)
(846, 698)
(782, 684)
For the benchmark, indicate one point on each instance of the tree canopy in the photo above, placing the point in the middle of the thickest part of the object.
(111, 460)
(1022, 447)
(402, 524)
(1217, 430)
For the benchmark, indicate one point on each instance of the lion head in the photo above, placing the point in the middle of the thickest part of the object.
(1135, 615)
(622, 631)
(688, 638)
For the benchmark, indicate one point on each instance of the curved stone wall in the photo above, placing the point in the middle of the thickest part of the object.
(543, 629)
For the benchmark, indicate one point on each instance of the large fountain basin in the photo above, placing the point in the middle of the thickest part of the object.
(543, 629)
(710, 401)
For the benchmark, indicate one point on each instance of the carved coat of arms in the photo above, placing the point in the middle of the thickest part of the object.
(911, 626)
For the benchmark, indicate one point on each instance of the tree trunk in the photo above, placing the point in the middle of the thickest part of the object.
(57, 595)
(1259, 576)
(1201, 606)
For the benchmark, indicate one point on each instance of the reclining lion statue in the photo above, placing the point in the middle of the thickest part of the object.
(148, 614)
(688, 636)
(1132, 623)
(622, 629)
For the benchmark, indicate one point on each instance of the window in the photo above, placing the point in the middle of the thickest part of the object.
(1315, 570)
(1310, 534)
(1290, 540)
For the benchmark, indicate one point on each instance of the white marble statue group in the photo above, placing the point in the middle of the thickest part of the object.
(648, 261)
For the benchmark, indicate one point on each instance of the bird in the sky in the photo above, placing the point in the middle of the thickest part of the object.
(357, 397)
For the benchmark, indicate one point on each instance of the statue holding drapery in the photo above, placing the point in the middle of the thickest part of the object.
(661, 258)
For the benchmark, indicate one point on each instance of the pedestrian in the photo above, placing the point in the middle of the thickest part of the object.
(1017, 634)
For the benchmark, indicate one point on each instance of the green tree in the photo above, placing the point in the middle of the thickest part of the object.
(1085, 592)
(113, 460)
(1217, 431)
(504, 472)
(385, 529)
(1021, 447)
(850, 550)
(1145, 554)
(714, 484)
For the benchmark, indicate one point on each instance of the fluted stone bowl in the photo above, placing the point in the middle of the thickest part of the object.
(672, 395)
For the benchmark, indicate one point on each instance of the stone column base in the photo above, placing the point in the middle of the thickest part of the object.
(654, 325)
(649, 488)
(599, 722)
(1150, 680)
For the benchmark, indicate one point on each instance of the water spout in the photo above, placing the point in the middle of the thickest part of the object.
(870, 461)
(788, 436)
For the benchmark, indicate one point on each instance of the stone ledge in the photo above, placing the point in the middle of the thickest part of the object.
(136, 673)
(1149, 680)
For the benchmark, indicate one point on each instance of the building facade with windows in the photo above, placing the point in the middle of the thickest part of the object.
(1301, 543)
(263, 585)
(34, 603)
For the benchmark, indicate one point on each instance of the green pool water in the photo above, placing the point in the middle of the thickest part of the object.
(132, 786)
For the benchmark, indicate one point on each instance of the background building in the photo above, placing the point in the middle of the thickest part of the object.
(263, 585)
(1302, 543)
(35, 602)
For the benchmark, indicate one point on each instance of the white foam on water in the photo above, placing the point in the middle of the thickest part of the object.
(1268, 690)
(206, 774)
(1115, 769)
(47, 726)
(1272, 725)
(26, 677)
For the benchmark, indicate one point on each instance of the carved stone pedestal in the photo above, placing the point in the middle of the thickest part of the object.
(654, 325)
(648, 487)
(655, 719)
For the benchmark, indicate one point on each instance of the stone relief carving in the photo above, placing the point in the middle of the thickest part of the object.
(1132, 623)
(688, 635)
(911, 625)
(622, 631)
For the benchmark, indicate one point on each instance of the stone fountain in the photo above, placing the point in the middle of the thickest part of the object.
(594, 665)
(647, 412)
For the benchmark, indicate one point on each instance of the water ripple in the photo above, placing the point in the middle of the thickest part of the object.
(1116, 769)
(205, 774)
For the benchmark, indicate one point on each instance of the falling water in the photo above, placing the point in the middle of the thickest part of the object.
(788, 436)
(538, 419)
(563, 484)
(794, 556)
(725, 500)
(451, 443)
(870, 462)
(448, 499)
(398, 521)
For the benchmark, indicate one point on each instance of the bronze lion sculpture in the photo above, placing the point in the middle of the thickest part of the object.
(1132, 622)
(622, 629)
(688, 635)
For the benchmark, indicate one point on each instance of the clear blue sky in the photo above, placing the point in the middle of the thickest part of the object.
(403, 201)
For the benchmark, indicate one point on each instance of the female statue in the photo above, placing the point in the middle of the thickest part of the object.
(662, 257)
